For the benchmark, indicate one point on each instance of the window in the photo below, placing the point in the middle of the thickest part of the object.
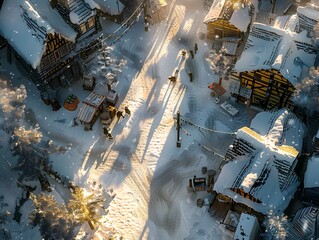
(83, 28)
(219, 33)
(91, 22)
(57, 55)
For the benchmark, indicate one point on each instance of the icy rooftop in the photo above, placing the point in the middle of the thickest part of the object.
(238, 14)
(25, 25)
(257, 174)
(272, 48)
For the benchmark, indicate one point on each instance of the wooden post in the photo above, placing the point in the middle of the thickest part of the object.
(178, 127)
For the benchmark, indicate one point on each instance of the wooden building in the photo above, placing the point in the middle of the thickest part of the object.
(229, 19)
(110, 9)
(79, 15)
(41, 42)
(259, 170)
(273, 62)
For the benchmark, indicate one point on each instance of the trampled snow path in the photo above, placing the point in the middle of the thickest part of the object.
(140, 139)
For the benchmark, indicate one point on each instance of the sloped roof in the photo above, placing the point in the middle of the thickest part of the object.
(258, 173)
(308, 16)
(26, 23)
(287, 22)
(237, 13)
(272, 48)
(309, 12)
(112, 7)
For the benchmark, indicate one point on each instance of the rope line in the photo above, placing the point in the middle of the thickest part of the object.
(211, 146)
(186, 120)
(208, 149)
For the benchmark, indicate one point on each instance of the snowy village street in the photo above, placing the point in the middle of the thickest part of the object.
(140, 139)
(145, 142)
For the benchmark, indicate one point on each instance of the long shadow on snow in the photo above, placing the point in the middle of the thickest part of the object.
(166, 184)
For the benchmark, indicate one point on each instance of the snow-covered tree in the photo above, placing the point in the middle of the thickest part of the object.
(53, 219)
(33, 153)
(276, 226)
(12, 104)
(220, 64)
(31, 157)
(85, 208)
(307, 92)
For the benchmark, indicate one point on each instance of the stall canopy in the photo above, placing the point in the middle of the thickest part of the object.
(218, 89)
(90, 107)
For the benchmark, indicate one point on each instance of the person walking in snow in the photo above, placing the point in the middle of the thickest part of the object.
(119, 114)
(107, 133)
(195, 48)
(127, 111)
(192, 53)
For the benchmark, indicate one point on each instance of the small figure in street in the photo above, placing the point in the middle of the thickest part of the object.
(107, 133)
(119, 114)
(190, 75)
(127, 111)
(74, 121)
(195, 48)
(192, 53)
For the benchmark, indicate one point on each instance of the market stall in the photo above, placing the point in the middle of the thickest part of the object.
(91, 108)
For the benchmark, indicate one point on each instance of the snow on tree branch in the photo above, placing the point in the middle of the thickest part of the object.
(12, 104)
(30, 136)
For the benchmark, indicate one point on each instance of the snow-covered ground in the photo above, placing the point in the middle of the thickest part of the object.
(142, 167)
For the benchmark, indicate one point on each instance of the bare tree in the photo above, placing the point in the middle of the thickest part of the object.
(220, 63)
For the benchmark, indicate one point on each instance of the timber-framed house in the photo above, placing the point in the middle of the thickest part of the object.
(42, 43)
(229, 19)
(259, 169)
(79, 15)
(273, 62)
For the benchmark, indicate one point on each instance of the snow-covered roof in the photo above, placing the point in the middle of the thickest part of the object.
(112, 7)
(308, 17)
(238, 13)
(264, 172)
(308, 12)
(285, 123)
(25, 25)
(311, 178)
(80, 12)
(54, 18)
(272, 48)
(286, 22)
(247, 227)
